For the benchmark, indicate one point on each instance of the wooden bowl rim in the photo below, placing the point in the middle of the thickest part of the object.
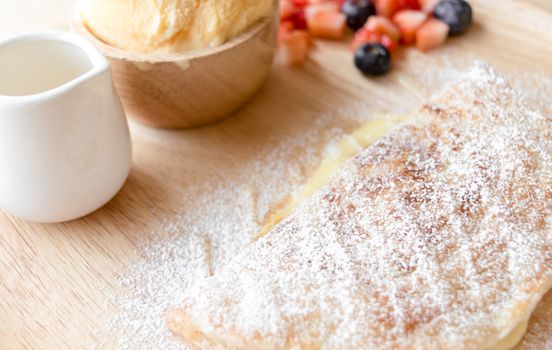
(114, 52)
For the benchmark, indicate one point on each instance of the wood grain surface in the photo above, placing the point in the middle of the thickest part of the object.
(55, 280)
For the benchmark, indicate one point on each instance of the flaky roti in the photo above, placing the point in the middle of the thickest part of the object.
(439, 236)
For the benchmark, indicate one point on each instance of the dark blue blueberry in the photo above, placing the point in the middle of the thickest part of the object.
(456, 13)
(373, 59)
(357, 12)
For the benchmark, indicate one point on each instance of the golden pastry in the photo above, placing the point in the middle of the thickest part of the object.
(439, 236)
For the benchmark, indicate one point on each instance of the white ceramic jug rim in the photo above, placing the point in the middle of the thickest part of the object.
(98, 62)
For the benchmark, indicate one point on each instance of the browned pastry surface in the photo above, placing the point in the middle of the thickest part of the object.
(437, 237)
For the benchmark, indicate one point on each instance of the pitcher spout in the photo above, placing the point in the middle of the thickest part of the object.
(47, 63)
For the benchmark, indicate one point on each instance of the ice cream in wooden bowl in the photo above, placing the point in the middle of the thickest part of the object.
(182, 63)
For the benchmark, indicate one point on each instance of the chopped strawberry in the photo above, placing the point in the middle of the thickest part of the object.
(364, 36)
(428, 5)
(285, 28)
(431, 34)
(287, 9)
(410, 5)
(313, 9)
(312, 2)
(383, 25)
(294, 48)
(389, 43)
(327, 25)
(387, 7)
(301, 3)
(298, 19)
(408, 22)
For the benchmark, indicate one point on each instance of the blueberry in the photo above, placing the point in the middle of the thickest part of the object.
(456, 13)
(373, 59)
(357, 12)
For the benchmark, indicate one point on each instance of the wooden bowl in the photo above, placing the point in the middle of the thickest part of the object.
(192, 88)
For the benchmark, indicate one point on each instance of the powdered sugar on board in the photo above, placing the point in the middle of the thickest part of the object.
(215, 222)
(224, 216)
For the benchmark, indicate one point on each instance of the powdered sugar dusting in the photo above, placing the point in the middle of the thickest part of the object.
(439, 236)
(181, 251)
(218, 220)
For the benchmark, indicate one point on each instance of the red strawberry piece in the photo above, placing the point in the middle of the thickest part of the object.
(285, 28)
(411, 4)
(314, 8)
(431, 34)
(287, 9)
(389, 43)
(364, 36)
(298, 19)
(301, 3)
(387, 7)
(408, 22)
(327, 25)
(383, 25)
(294, 48)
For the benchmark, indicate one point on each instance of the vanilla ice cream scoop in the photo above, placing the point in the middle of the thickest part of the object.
(170, 26)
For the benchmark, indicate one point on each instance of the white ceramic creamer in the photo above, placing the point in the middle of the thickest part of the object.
(65, 147)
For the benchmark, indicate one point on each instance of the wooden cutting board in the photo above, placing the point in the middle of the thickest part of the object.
(56, 280)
